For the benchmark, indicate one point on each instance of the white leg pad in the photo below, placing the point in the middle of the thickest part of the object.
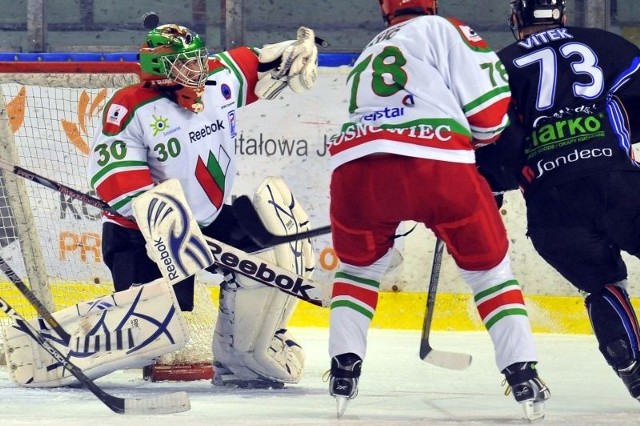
(251, 342)
(128, 329)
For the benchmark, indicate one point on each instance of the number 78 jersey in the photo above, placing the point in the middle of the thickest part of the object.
(429, 88)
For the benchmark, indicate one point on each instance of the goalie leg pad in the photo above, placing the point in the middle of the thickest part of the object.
(283, 215)
(251, 343)
(249, 347)
(128, 329)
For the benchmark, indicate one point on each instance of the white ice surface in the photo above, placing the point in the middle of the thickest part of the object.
(396, 387)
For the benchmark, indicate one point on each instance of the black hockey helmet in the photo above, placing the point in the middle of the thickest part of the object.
(525, 13)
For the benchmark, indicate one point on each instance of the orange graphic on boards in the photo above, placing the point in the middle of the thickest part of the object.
(76, 132)
(15, 110)
(328, 259)
(84, 244)
(87, 109)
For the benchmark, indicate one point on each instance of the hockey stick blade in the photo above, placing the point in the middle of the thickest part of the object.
(176, 402)
(169, 403)
(251, 223)
(444, 359)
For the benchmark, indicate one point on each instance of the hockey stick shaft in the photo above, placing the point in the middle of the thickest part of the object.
(431, 298)
(33, 299)
(51, 184)
(253, 267)
(251, 223)
(227, 256)
(163, 404)
(445, 359)
(245, 212)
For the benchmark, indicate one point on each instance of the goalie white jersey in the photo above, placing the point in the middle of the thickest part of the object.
(411, 94)
(147, 138)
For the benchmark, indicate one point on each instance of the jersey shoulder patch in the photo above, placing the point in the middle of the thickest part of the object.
(470, 36)
(123, 104)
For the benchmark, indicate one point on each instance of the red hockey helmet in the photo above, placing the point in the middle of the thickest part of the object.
(394, 11)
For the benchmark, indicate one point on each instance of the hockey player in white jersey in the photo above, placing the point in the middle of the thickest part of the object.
(424, 93)
(179, 123)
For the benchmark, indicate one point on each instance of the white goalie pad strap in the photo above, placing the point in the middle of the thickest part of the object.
(251, 336)
(174, 239)
(128, 329)
(292, 63)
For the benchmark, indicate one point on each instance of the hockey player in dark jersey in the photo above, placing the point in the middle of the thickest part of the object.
(574, 118)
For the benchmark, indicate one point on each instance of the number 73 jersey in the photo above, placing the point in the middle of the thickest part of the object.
(429, 88)
(576, 98)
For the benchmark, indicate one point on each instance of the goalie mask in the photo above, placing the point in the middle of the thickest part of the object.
(395, 11)
(174, 59)
(526, 13)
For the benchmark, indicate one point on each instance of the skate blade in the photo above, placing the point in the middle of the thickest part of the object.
(533, 411)
(341, 405)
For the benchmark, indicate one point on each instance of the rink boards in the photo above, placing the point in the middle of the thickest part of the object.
(396, 310)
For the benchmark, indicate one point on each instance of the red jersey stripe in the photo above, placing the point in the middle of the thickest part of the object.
(492, 116)
(510, 297)
(123, 182)
(248, 62)
(364, 295)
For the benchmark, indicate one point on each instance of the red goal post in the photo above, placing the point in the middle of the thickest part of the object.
(48, 114)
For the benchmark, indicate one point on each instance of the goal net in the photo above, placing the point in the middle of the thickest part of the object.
(48, 114)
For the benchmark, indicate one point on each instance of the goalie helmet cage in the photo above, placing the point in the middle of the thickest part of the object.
(48, 113)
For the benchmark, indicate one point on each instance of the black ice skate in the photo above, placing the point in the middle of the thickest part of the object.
(527, 388)
(631, 378)
(621, 357)
(343, 382)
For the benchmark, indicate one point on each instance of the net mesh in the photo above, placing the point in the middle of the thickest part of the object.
(52, 241)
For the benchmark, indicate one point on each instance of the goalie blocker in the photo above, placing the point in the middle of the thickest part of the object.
(251, 345)
(179, 248)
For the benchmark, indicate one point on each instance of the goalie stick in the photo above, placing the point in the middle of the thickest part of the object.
(251, 223)
(33, 299)
(444, 359)
(175, 402)
(228, 257)
(51, 184)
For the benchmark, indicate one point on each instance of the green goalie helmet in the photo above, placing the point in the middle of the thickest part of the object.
(174, 52)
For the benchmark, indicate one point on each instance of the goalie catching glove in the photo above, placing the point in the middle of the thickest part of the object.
(292, 63)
